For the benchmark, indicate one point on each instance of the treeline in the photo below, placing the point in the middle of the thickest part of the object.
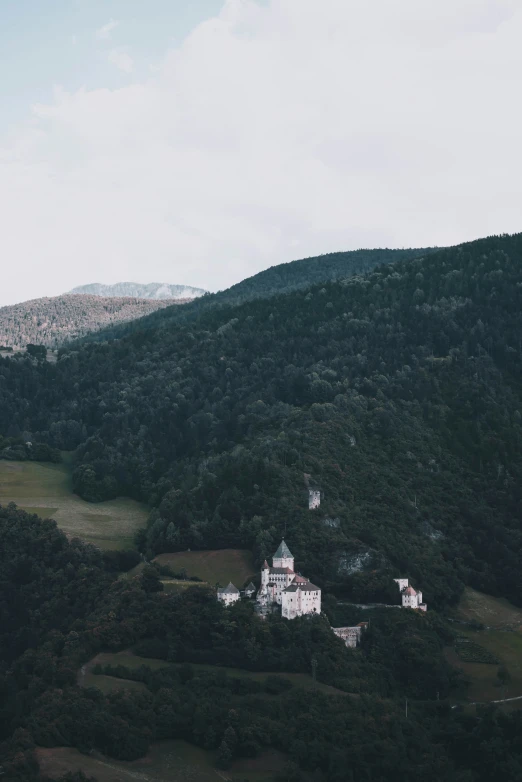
(20, 450)
(277, 280)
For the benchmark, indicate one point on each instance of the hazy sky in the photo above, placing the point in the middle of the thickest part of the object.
(199, 141)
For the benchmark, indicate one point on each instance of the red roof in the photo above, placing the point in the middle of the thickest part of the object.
(265, 565)
(409, 591)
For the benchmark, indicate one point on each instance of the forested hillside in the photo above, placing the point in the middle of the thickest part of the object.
(62, 603)
(397, 392)
(287, 277)
(283, 278)
(53, 321)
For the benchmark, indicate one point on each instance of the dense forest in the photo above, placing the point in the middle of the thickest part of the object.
(398, 394)
(54, 321)
(283, 278)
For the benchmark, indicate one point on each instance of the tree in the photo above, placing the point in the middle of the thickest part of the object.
(37, 351)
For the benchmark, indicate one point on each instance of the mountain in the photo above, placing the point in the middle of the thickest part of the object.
(295, 275)
(154, 290)
(284, 278)
(54, 321)
(398, 392)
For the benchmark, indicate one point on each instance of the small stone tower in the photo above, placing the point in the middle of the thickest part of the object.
(314, 498)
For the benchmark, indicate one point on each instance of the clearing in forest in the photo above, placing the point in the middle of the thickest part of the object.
(166, 761)
(46, 489)
(493, 612)
(214, 567)
(132, 661)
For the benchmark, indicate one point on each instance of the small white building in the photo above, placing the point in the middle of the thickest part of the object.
(229, 594)
(411, 598)
(281, 586)
(250, 590)
(314, 499)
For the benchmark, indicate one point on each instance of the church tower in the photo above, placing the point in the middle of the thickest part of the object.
(283, 557)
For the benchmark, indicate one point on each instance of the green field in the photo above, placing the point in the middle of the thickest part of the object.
(214, 567)
(46, 489)
(88, 679)
(494, 612)
(167, 761)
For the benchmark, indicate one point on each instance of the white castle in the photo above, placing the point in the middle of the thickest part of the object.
(411, 598)
(281, 586)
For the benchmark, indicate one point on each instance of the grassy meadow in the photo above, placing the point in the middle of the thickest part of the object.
(502, 639)
(46, 489)
(495, 612)
(132, 661)
(167, 761)
(214, 567)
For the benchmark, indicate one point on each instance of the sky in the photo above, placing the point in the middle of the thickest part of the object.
(201, 141)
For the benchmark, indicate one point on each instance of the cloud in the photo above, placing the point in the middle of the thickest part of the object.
(104, 33)
(274, 132)
(121, 59)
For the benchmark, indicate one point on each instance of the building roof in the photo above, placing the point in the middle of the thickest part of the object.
(308, 587)
(229, 590)
(279, 571)
(250, 587)
(300, 580)
(409, 591)
(265, 565)
(283, 551)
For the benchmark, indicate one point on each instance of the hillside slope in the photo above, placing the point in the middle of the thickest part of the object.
(152, 290)
(295, 275)
(398, 392)
(53, 321)
(281, 279)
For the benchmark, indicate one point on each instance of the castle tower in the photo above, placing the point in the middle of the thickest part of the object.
(283, 557)
(314, 499)
(265, 574)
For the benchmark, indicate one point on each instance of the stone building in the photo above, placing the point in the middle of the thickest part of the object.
(314, 498)
(351, 635)
(228, 595)
(250, 590)
(411, 598)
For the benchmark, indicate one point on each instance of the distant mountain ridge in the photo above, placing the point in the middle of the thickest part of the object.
(54, 321)
(276, 280)
(137, 290)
